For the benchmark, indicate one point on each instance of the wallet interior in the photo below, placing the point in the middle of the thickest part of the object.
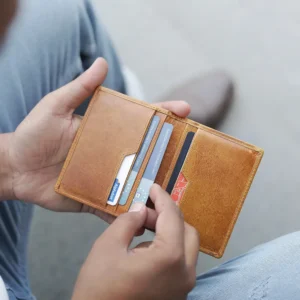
(218, 169)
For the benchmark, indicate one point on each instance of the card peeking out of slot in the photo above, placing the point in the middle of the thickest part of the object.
(120, 180)
(111, 130)
(212, 185)
(177, 184)
(139, 160)
(208, 173)
(153, 165)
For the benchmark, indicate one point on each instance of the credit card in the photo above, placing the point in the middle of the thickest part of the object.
(183, 153)
(139, 160)
(120, 180)
(179, 188)
(153, 165)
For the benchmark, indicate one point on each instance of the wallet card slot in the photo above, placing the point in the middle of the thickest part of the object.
(215, 179)
(175, 154)
(101, 145)
(178, 129)
(124, 208)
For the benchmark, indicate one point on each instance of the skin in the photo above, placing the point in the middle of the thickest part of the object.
(31, 159)
(34, 154)
(163, 269)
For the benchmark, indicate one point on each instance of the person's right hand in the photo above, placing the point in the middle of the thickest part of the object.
(164, 269)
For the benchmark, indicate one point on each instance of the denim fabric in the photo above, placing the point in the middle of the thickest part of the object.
(49, 44)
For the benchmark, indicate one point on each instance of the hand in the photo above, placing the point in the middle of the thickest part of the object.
(164, 269)
(40, 144)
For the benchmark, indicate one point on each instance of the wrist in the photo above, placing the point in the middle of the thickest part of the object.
(6, 172)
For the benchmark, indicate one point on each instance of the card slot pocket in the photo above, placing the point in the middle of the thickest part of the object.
(178, 128)
(119, 209)
(101, 145)
(188, 128)
(216, 177)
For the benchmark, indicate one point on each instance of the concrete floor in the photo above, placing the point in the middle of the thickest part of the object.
(166, 42)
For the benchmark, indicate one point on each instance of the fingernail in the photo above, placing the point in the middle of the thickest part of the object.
(156, 186)
(137, 206)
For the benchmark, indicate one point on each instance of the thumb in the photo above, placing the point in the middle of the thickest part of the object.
(124, 228)
(66, 99)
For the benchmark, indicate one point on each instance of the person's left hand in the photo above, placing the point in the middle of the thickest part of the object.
(40, 144)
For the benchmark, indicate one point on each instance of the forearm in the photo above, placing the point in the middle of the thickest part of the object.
(6, 176)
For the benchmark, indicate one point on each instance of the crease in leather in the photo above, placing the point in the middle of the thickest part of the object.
(253, 150)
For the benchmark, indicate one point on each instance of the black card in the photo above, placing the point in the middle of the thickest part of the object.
(181, 158)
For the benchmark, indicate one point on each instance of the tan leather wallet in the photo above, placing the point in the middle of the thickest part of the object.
(218, 169)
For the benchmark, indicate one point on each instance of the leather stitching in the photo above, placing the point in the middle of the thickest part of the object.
(257, 152)
(240, 203)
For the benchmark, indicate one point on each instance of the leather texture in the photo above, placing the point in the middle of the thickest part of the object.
(219, 173)
(219, 169)
(106, 136)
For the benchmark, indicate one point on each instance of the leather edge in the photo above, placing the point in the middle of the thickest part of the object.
(184, 120)
(86, 202)
(75, 142)
(219, 254)
(259, 154)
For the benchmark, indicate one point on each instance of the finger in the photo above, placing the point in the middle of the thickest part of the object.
(125, 227)
(191, 246)
(76, 122)
(110, 219)
(169, 225)
(179, 108)
(140, 232)
(66, 99)
(151, 219)
(104, 216)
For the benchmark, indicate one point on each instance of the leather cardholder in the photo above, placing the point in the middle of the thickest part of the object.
(213, 181)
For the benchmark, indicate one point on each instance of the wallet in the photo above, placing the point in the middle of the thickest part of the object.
(215, 176)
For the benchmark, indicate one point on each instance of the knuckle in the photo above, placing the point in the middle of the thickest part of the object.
(129, 218)
(174, 259)
(170, 258)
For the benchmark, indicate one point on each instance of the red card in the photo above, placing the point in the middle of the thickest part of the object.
(179, 188)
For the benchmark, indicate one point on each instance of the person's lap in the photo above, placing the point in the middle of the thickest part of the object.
(268, 272)
(51, 43)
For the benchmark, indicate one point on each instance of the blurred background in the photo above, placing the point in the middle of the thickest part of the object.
(166, 42)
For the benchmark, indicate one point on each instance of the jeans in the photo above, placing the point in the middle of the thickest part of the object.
(51, 43)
